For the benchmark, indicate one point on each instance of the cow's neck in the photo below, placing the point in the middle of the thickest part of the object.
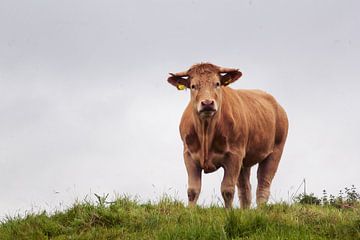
(206, 130)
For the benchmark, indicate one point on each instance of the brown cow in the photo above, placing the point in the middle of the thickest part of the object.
(232, 129)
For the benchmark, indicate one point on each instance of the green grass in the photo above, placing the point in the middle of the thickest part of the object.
(170, 219)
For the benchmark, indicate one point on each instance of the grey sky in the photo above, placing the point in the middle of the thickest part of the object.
(85, 106)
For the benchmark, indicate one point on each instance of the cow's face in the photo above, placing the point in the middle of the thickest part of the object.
(205, 82)
(205, 93)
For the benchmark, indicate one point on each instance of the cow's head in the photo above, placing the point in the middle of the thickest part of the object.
(205, 82)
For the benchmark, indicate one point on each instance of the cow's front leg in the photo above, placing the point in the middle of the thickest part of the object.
(232, 168)
(194, 179)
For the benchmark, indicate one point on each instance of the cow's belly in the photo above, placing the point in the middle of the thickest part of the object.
(254, 157)
(259, 146)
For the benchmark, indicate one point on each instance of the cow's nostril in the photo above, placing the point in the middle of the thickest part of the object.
(207, 102)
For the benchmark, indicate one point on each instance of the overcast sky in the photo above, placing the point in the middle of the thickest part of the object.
(85, 106)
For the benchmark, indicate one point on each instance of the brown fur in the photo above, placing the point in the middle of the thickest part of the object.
(249, 127)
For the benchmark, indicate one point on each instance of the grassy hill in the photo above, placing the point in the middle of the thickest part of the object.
(170, 219)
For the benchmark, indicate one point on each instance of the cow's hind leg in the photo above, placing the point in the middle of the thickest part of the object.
(244, 187)
(265, 174)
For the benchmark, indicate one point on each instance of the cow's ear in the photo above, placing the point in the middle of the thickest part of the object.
(229, 75)
(180, 80)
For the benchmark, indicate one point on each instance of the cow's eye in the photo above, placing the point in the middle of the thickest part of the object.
(193, 86)
(218, 84)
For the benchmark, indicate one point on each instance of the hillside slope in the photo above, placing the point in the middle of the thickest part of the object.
(169, 219)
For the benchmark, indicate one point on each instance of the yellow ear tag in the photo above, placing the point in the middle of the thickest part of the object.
(181, 87)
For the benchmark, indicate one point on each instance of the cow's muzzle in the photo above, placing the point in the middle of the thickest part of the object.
(207, 108)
